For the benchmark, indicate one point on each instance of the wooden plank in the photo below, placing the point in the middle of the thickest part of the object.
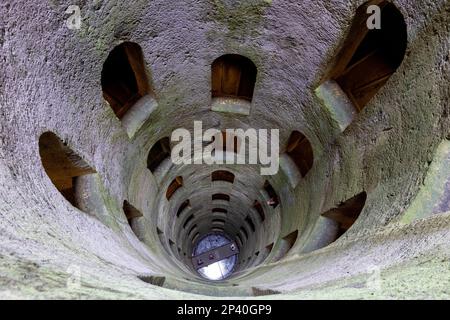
(136, 60)
(231, 79)
(216, 78)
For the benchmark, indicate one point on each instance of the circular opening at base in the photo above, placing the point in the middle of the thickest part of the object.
(222, 268)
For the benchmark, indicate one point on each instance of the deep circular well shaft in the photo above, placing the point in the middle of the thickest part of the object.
(93, 204)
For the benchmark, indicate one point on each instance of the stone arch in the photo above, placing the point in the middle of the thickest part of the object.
(223, 175)
(369, 57)
(300, 151)
(233, 76)
(346, 214)
(132, 214)
(62, 165)
(158, 153)
(124, 78)
(176, 184)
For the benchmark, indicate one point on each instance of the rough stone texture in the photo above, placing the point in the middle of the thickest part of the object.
(337, 103)
(50, 81)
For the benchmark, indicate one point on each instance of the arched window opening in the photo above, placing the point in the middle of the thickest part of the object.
(176, 184)
(160, 236)
(290, 240)
(158, 153)
(195, 237)
(193, 228)
(347, 213)
(239, 238)
(370, 57)
(219, 221)
(156, 281)
(124, 78)
(269, 248)
(222, 175)
(250, 223)
(220, 210)
(183, 206)
(263, 292)
(62, 165)
(233, 76)
(300, 150)
(258, 207)
(189, 219)
(273, 201)
(244, 232)
(131, 213)
(286, 244)
(221, 196)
